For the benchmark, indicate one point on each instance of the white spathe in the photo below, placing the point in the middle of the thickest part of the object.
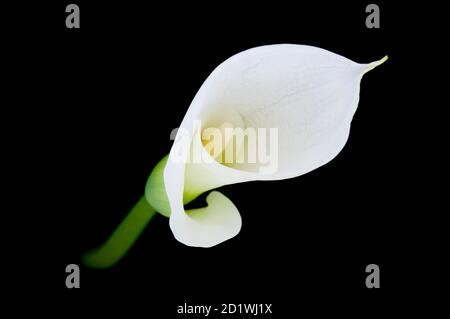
(308, 93)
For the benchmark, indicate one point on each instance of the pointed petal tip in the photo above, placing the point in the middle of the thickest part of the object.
(373, 65)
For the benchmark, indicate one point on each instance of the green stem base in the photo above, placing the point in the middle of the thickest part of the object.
(121, 240)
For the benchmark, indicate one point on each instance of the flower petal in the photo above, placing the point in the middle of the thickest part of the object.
(207, 226)
(309, 94)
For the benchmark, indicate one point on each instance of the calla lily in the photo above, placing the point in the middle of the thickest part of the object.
(309, 95)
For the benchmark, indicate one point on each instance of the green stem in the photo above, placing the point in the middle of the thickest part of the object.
(122, 238)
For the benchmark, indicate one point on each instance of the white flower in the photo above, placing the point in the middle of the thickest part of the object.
(308, 94)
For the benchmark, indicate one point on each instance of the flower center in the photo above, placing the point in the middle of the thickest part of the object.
(219, 142)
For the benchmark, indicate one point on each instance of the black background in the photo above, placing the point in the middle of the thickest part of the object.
(103, 100)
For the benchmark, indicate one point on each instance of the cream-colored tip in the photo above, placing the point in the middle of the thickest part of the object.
(373, 65)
